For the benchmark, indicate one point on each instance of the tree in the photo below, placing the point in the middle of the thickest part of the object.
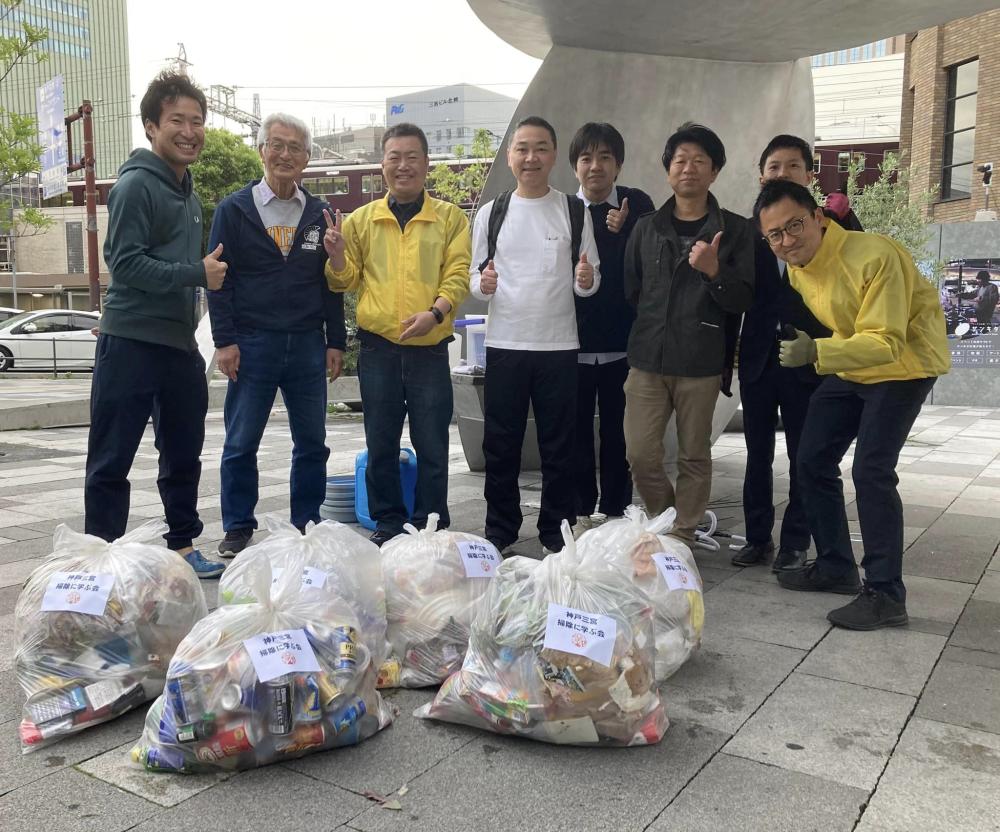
(464, 186)
(20, 150)
(885, 207)
(225, 165)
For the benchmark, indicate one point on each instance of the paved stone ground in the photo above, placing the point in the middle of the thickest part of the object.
(778, 723)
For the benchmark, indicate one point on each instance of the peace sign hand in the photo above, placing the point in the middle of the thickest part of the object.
(333, 239)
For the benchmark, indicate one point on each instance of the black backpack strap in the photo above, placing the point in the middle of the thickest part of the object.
(497, 213)
(576, 209)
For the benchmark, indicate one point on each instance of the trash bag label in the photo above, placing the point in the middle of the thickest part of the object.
(277, 654)
(78, 592)
(580, 632)
(479, 557)
(675, 572)
(312, 578)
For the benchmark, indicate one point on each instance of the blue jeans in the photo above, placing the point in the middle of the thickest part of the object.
(295, 363)
(399, 381)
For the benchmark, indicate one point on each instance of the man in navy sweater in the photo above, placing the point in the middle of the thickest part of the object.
(604, 321)
(276, 326)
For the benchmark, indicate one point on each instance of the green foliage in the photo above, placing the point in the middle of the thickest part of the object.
(465, 185)
(19, 146)
(886, 207)
(225, 165)
(353, 344)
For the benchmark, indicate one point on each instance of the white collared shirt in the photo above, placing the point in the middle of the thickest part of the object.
(600, 357)
(611, 199)
(279, 216)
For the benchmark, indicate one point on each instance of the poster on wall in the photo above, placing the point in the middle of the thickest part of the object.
(970, 295)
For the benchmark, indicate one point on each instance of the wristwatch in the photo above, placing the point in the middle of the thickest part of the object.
(437, 313)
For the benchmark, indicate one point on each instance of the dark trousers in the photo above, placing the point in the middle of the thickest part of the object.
(777, 388)
(602, 385)
(396, 382)
(295, 364)
(546, 381)
(134, 380)
(879, 416)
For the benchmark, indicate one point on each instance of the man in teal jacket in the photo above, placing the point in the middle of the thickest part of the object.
(147, 360)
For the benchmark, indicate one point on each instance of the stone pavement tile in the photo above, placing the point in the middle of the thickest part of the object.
(69, 801)
(988, 588)
(9, 517)
(11, 698)
(941, 778)
(15, 573)
(505, 783)
(766, 612)
(985, 525)
(271, 798)
(7, 641)
(726, 680)
(963, 694)
(964, 655)
(979, 627)
(896, 659)
(17, 769)
(950, 469)
(936, 600)
(394, 756)
(19, 533)
(949, 556)
(829, 729)
(735, 795)
(8, 598)
(20, 550)
(116, 767)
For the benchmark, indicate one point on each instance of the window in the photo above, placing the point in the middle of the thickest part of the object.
(439, 136)
(879, 48)
(816, 163)
(855, 54)
(866, 52)
(448, 133)
(377, 183)
(327, 186)
(53, 323)
(366, 184)
(843, 162)
(842, 56)
(859, 161)
(959, 130)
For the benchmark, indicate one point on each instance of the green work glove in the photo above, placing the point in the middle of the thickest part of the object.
(797, 352)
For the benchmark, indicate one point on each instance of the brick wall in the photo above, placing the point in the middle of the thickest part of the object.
(928, 55)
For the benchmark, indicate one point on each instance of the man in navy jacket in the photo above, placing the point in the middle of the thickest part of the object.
(276, 326)
(603, 321)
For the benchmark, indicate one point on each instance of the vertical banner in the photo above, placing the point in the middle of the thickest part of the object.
(52, 136)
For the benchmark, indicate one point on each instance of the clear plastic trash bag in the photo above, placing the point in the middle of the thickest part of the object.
(433, 583)
(265, 682)
(95, 626)
(640, 549)
(561, 653)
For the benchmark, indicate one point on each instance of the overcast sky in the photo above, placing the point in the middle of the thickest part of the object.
(335, 65)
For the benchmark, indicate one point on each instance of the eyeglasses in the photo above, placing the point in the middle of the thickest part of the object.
(793, 229)
(279, 147)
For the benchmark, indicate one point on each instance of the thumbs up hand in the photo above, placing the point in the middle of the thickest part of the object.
(488, 279)
(797, 351)
(215, 269)
(704, 257)
(584, 274)
(617, 217)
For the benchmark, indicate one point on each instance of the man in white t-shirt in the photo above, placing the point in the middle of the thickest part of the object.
(531, 337)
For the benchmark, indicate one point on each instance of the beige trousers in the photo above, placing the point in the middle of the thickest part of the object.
(650, 401)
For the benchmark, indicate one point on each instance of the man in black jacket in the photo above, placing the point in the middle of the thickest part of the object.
(603, 321)
(687, 268)
(766, 387)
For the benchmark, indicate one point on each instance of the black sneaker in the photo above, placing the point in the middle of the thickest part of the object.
(809, 579)
(753, 553)
(236, 541)
(789, 560)
(380, 537)
(869, 611)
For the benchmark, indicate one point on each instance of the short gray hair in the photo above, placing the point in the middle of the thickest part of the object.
(288, 121)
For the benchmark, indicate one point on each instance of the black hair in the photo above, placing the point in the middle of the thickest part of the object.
(787, 142)
(168, 86)
(691, 133)
(535, 121)
(779, 189)
(594, 134)
(983, 275)
(398, 131)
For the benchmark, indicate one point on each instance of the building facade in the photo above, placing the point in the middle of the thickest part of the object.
(951, 112)
(88, 45)
(450, 116)
(363, 144)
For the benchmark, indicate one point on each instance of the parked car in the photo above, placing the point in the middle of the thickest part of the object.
(48, 339)
(8, 312)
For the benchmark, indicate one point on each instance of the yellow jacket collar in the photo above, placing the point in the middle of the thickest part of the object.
(427, 212)
(829, 249)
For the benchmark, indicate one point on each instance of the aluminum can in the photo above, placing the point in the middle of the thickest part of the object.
(351, 713)
(389, 674)
(234, 739)
(279, 705)
(328, 690)
(184, 696)
(159, 759)
(347, 656)
(235, 698)
(307, 700)
(302, 738)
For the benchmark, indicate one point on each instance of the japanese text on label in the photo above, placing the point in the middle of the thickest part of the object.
(78, 592)
(581, 632)
(275, 654)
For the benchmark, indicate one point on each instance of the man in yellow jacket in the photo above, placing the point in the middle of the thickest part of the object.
(408, 257)
(887, 349)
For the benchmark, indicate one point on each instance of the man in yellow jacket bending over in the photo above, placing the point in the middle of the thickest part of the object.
(888, 348)
(407, 256)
